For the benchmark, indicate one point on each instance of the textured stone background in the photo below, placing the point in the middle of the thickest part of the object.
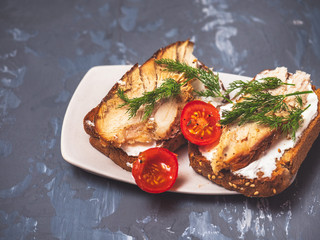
(46, 47)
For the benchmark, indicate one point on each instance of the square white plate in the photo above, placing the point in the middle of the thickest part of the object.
(77, 150)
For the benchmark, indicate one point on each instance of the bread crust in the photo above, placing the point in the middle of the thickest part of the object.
(282, 177)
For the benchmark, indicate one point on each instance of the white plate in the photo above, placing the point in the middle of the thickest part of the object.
(76, 149)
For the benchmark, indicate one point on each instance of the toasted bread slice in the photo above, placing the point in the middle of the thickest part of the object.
(234, 162)
(111, 130)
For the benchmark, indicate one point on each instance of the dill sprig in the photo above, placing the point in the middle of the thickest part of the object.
(292, 121)
(169, 88)
(256, 104)
(176, 66)
(206, 76)
(249, 87)
(264, 108)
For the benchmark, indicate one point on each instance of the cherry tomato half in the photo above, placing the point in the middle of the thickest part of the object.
(200, 123)
(155, 170)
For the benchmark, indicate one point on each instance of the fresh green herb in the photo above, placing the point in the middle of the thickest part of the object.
(256, 105)
(250, 87)
(264, 108)
(292, 121)
(176, 66)
(169, 88)
(206, 76)
(299, 100)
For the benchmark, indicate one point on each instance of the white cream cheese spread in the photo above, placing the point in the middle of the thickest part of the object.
(122, 83)
(267, 162)
(135, 149)
(90, 123)
(129, 165)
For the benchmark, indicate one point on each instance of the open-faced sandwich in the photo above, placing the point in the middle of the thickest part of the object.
(250, 137)
(266, 134)
(153, 119)
(143, 109)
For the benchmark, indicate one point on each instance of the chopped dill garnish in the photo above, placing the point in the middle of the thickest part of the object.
(256, 103)
(264, 108)
(204, 75)
(249, 87)
(169, 88)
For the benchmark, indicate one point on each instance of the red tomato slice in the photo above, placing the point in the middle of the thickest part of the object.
(155, 170)
(200, 123)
